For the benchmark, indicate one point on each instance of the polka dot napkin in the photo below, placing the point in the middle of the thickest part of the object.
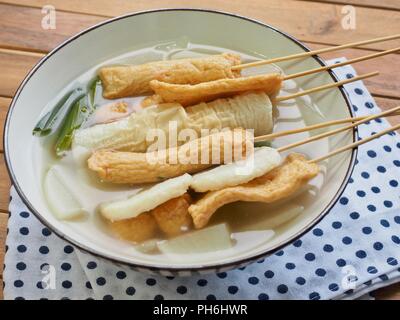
(352, 251)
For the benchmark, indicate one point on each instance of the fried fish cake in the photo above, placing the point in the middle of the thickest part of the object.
(173, 217)
(277, 184)
(124, 81)
(187, 94)
(196, 155)
(138, 229)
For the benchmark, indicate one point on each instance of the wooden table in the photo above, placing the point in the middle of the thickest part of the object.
(317, 23)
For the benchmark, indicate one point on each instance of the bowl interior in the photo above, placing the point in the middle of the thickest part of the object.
(104, 42)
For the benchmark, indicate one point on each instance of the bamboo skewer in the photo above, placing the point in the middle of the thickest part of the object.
(316, 126)
(314, 52)
(355, 144)
(340, 64)
(332, 132)
(22, 53)
(326, 86)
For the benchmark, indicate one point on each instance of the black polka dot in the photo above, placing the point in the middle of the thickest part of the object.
(91, 265)
(263, 296)
(68, 249)
(181, 289)
(211, 297)
(66, 266)
(18, 283)
(21, 248)
(151, 282)
(314, 296)
(24, 231)
(310, 256)
(121, 275)
(101, 281)
(282, 289)
(66, 284)
(24, 214)
(222, 275)
(158, 297)
(21, 266)
(88, 285)
(44, 250)
(202, 282)
(269, 274)
(108, 297)
(253, 280)
(46, 232)
(233, 289)
(300, 280)
(341, 262)
(130, 291)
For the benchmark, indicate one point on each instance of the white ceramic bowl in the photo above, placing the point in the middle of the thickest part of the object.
(123, 34)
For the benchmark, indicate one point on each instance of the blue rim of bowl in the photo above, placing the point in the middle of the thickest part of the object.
(215, 267)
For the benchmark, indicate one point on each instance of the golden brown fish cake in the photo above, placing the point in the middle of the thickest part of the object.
(277, 184)
(187, 94)
(193, 156)
(138, 229)
(123, 81)
(173, 217)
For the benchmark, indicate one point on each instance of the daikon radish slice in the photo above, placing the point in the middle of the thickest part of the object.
(61, 199)
(147, 199)
(210, 239)
(264, 160)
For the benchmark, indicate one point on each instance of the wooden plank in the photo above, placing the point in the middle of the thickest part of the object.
(387, 83)
(4, 186)
(381, 4)
(13, 70)
(386, 104)
(317, 23)
(21, 28)
(3, 234)
(389, 293)
(4, 103)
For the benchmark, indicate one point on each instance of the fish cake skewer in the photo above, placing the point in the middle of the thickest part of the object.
(124, 81)
(186, 94)
(199, 154)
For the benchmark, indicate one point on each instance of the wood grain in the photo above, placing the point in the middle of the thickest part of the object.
(389, 293)
(381, 4)
(13, 70)
(4, 186)
(22, 28)
(4, 103)
(316, 23)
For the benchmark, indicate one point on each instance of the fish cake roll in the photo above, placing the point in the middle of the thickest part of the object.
(124, 81)
(196, 155)
(187, 94)
(173, 217)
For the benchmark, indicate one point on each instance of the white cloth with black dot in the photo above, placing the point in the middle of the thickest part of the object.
(353, 250)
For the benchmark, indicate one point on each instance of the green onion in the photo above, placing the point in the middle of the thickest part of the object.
(52, 119)
(262, 144)
(74, 120)
(77, 116)
(94, 88)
